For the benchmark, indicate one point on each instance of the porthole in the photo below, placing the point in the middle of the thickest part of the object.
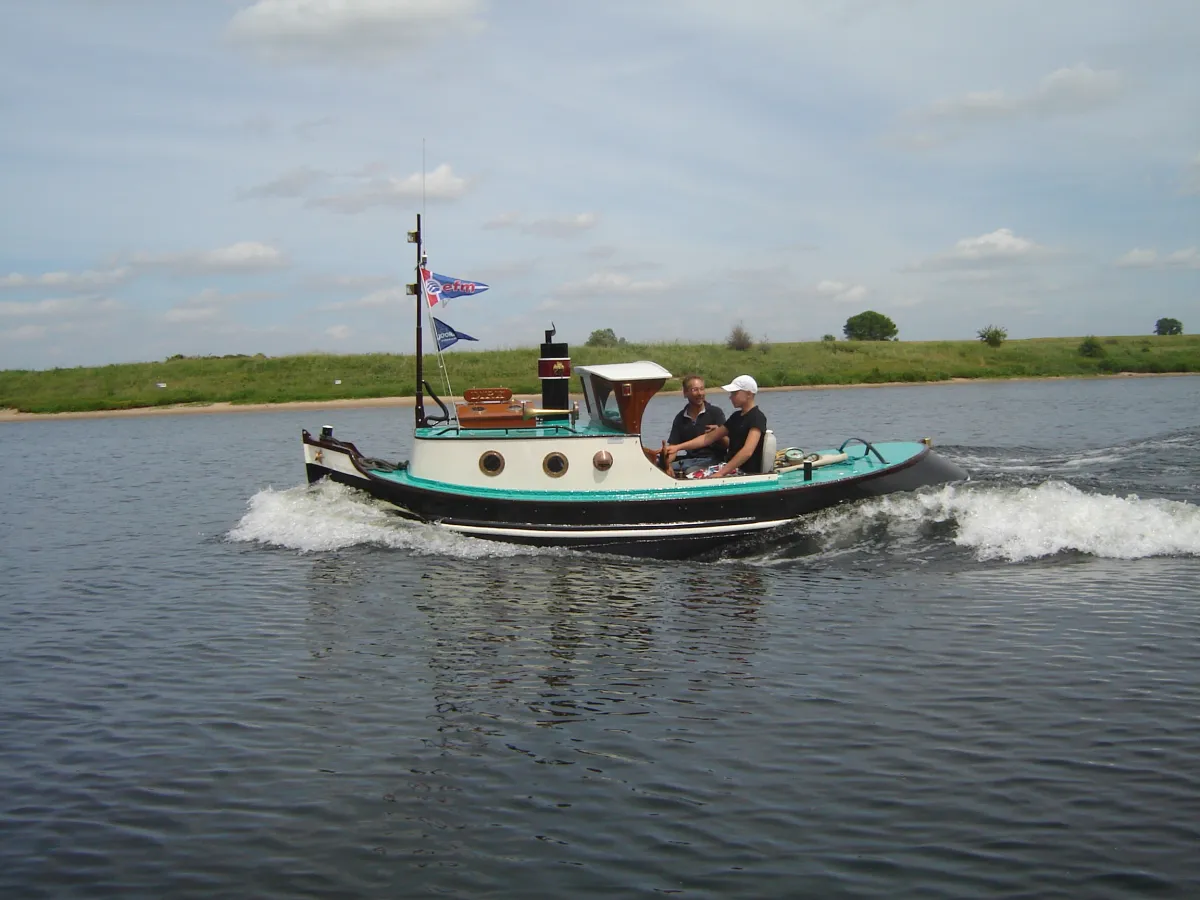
(555, 465)
(491, 463)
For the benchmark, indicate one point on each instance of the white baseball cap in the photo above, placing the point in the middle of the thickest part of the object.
(742, 383)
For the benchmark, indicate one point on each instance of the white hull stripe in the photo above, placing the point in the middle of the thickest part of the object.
(647, 531)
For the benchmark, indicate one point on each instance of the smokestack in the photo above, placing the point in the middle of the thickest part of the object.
(554, 369)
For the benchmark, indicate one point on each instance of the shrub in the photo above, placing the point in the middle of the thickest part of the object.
(828, 338)
(1092, 348)
(993, 335)
(739, 338)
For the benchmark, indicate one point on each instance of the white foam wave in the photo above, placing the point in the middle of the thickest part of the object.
(1030, 522)
(329, 516)
(1043, 465)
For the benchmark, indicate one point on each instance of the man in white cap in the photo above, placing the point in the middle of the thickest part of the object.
(745, 430)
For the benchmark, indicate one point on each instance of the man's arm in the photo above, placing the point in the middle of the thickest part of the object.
(718, 418)
(753, 436)
(709, 437)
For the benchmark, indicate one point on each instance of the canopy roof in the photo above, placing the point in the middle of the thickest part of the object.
(642, 370)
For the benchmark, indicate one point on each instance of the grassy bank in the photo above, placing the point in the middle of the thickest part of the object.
(260, 379)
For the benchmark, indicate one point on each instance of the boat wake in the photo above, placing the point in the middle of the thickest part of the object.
(327, 516)
(1004, 523)
(1002, 517)
(1161, 466)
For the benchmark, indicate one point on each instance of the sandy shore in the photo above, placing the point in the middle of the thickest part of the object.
(12, 415)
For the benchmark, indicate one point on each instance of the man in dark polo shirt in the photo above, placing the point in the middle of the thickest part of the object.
(744, 429)
(694, 420)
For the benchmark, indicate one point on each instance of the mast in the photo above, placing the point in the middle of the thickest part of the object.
(414, 237)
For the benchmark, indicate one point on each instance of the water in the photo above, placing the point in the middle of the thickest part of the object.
(220, 682)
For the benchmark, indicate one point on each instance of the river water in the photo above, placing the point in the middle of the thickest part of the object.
(220, 682)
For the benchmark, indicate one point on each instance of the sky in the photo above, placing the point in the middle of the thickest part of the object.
(211, 177)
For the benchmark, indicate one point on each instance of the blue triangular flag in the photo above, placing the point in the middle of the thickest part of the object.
(447, 336)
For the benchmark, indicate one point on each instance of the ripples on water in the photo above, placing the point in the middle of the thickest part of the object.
(982, 690)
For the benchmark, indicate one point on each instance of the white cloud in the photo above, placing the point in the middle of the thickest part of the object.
(1138, 258)
(67, 280)
(999, 248)
(24, 333)
(561, 226)
(341, 31)
(1187, 258)
(389, 190)
(210, 304)
(296, 183)
(60, 306)
(246, 256)
(602, 284)
(339, 332)
(973, 105)
(504, 220)
(214, 297)
(506, 270)
(841, 292)
(191, 314)
(386, 297)
(350, 282)
(1063, 92)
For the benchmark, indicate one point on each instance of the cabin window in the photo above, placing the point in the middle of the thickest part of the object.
(555, 465)
(601, 401)
(491, 463)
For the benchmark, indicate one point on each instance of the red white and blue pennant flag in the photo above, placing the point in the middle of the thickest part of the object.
(440, 287)
(447, 335)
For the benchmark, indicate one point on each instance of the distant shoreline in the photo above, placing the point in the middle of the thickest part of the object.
(12, 415)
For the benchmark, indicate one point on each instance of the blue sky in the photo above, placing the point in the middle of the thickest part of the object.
(230, 176)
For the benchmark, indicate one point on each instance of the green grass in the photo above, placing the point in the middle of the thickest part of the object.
(258, 379)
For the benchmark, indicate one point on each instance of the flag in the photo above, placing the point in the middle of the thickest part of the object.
(442, 287)
(446, 336)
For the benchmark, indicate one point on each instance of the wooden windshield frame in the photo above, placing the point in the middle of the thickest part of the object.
(632, 397)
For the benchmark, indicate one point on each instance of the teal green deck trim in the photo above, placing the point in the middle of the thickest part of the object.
(894, 452)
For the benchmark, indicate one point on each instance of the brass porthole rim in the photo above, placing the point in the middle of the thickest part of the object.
(492, 473)
(546, 464)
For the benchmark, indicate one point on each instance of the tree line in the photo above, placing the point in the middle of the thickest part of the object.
(869, 325)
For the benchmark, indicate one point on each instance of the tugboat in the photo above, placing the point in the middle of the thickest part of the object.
(555, 476)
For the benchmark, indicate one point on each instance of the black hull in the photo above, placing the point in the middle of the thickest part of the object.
(670, 528)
